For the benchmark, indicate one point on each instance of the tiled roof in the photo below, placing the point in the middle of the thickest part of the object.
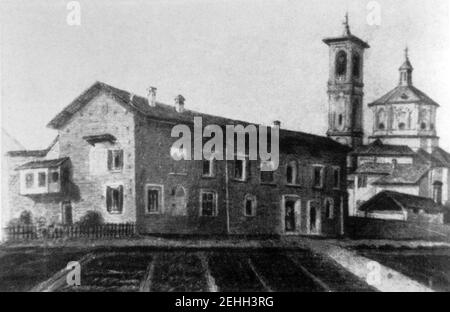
(404, 174)
(378, 148)
(395, 201)
(424, 157)
(168, 113)
(48, 163)
(404, 94)
(374, 168)
(442, 156)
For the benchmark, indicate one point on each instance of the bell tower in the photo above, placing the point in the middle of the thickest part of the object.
(345, 87)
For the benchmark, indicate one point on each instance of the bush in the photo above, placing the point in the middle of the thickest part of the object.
(91, 219)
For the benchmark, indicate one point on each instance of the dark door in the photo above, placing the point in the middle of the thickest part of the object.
(67, 212)
(289, 220)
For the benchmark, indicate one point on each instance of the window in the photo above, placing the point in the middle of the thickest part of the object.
(437, 192)
(341, 63)
(249, 205)
(336, 177)
(362, 181)
(153, 198)
(381, 126)
(401, 126)
(291, 172)
(267, 176)
(208, 203)
(356, 65)
(55, 177)
(29, 180)
(240, 169)
(423, 126)
(340, 119)
(42, 179)
(208, 168)
(114, 199)
(178, 201)
(329, 208)
(318, 176)
(115, 160)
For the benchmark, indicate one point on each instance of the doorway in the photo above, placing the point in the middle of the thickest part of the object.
(314, 218)
(67, 213)
(291, 208)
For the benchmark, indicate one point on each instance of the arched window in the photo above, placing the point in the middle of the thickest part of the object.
(340, 119)
(178, 200)
(356, 60)
(291, 172)
(341, 63)
(401, 126)
(329, 208)
(437, 192)
(423, 126)
(380, 119)
(249, 205)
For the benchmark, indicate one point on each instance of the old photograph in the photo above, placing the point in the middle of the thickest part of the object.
(246, 147)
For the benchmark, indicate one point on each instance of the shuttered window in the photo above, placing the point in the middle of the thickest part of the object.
(153, 198)
(114, 199)
(115, 160)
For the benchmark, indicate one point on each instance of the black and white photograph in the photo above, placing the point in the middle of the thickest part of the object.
(225, 151)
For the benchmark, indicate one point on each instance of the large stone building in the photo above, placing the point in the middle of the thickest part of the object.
(112, 156)
(402, 153)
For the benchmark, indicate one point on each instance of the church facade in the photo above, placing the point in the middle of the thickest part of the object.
(401, 154)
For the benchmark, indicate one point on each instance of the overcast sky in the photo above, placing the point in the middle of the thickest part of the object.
(253, 60)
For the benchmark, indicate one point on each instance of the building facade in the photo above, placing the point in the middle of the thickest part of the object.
(113, 156)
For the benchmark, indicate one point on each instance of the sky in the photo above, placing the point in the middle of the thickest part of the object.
(254, 60)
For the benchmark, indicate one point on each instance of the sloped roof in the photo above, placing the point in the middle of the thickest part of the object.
(374, 168)
(424, 157)
(33, 153)
(166, 112)
(347, 37)
(378, 148)
(404, 174)
(48, 163)
(404, 95)
(395, 201)
(441, 155)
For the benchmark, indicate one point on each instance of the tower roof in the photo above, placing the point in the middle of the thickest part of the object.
(346, 36)
(407, 64)
(405, 92)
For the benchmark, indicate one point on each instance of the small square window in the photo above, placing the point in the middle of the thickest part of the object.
(114, 199)
(239, 169)
(249, 206)
(208, 203)
(55, 177)
(153, 199)
(42, 179)
(318, 176)
(336, 178)
(115, 160)
(29, 180)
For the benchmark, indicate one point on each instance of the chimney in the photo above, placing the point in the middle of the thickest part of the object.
(151, 96)
(276, 123)
(179, 103)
